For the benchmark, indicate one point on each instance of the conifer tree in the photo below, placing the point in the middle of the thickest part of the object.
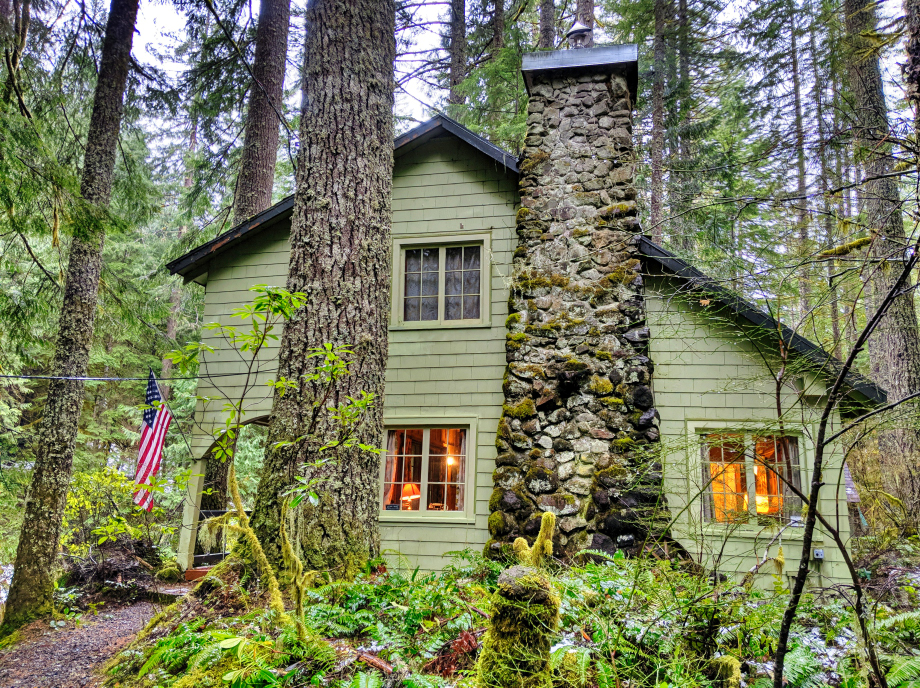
(894, 349)
(457, 48)
(547, 25)
(340, 257)
(32, 586)
(260, 149)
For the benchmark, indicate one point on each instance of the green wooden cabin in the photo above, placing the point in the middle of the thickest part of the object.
(455, 196)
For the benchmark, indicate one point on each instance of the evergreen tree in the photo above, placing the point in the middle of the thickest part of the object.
(340, 257)
(263, 119)
(31, 589)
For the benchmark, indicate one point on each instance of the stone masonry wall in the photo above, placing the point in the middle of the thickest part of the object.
(579, 429)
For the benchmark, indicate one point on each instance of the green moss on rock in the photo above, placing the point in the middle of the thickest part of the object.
(524, 409)
(575, 365)
(600, 386)
(525, 616)
(531, 163)
(727, 670)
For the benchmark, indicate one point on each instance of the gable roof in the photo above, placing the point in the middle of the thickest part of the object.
(698, 281)
(195, 262)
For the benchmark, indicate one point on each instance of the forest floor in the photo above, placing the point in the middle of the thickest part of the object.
(72, 656)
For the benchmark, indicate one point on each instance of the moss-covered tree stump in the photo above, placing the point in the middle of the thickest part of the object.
(525, 615)
(515, 651)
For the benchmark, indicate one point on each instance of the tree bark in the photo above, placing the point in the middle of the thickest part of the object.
(457, 50)
(547, 25)
(656, 214)
(340, 257)
(498, 26)
(33, 576)
(894, 350)
(684, 186)
(802, 185)
(260, 147)
(584, 11)
(6, 19)
(826, 184)
(911, 68)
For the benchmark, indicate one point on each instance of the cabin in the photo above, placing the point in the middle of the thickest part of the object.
(545, 355)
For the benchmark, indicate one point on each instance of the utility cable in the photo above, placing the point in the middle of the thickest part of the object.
(114, 379)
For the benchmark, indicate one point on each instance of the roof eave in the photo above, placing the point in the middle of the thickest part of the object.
(802, 346)
(195, 262)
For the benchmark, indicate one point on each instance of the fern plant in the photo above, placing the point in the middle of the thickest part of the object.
(904, 673)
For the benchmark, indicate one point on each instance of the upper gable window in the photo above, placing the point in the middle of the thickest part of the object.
(441, 285)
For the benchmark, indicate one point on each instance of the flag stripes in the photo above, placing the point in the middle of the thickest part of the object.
(153, 434)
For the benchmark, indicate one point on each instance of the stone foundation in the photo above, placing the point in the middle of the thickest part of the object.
(578, 435)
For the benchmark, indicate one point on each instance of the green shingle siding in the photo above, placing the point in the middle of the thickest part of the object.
(453, 372)
(705, 373)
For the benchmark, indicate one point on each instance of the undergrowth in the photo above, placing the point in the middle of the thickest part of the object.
(624, 623)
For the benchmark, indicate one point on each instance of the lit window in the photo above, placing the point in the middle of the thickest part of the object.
(425, 469)
(748, 476)
(728, 477)
(442, 283)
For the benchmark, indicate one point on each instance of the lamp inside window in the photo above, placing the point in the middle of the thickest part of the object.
(749, 476)
(425, 469)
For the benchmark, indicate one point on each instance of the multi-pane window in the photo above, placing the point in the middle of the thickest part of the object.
(748, 475)
(425, 469)
(442, 283)
(728, 476)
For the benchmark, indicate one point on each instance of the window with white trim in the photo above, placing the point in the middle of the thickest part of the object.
(425, 469)
(441, 283)
(747, 477)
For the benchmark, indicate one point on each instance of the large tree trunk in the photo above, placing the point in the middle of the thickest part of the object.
(6, 19)
(656, 214)
(894, 350)
(340, 257)
(827, 209)
(457, 50)
(260, 149)
(33, 576)
(911, 68)
(584, 11)
(498, 26)
(547, 25)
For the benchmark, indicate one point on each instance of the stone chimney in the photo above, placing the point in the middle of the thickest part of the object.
(578, 434)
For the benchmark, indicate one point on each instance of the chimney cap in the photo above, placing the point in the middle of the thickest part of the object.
(623, 58)
(577, 34)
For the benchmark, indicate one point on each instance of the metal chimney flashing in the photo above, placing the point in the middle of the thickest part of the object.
(607, 58)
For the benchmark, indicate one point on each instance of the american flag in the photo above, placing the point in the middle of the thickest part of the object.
(153, 432)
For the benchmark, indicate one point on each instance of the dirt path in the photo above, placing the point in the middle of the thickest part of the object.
(70, 657)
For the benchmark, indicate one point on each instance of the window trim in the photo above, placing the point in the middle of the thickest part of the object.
(441, 240)
(749, 430)
(468, 515)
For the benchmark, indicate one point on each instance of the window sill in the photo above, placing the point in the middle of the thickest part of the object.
(458, 325)
(417, 519)
(749, 532)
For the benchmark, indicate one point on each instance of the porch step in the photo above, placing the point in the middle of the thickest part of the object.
(197, 573)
